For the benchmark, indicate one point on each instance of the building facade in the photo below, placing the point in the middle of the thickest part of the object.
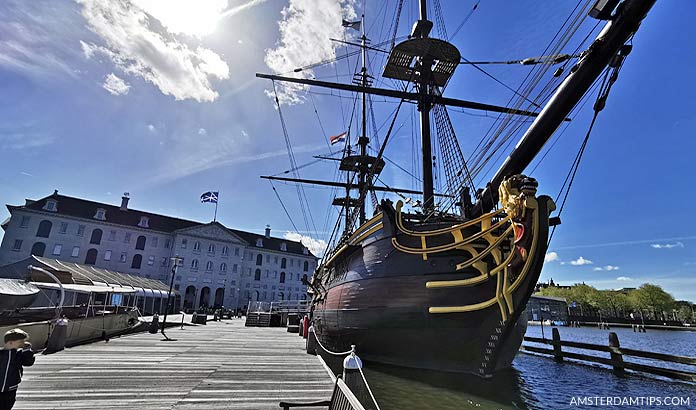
(218, 266)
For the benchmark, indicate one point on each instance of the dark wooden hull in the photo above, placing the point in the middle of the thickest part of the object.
(377, 298)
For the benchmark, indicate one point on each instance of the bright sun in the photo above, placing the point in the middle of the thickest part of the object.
(193, 17)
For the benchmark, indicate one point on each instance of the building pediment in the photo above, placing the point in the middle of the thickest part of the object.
(214, 231)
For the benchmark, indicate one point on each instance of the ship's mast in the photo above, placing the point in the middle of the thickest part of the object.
(363, 140)
(422, 30)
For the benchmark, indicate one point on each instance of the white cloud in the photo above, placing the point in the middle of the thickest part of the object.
(606, 268)
(581, 261)
(305, 32)
(137, 48)
(624, 279)
(316, 246)
(550, 257)
(667, 245)
(151, 128)
(115, 85)
(202, 131)
(24, 140)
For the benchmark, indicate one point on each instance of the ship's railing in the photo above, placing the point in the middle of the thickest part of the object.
(616, 356)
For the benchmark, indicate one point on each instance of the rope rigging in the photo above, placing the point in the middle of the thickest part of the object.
(611, 74)
(301, 195)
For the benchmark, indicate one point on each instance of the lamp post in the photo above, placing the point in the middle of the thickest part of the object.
(175, 261)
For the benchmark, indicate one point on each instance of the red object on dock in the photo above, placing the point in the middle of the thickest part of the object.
(305, 327)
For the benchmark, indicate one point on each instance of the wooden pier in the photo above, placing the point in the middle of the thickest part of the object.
(222, 365)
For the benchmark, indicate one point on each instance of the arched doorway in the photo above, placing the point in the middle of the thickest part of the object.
(91, 257)
(189, 297)
(38, 249)
(219, 298)
(205, 297)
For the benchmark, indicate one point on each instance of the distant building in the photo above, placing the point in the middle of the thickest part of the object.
(220, 267)
(547, 308)
(550, 284)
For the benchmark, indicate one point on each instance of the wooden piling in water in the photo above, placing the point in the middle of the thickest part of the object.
(557, 353)
(615, 353)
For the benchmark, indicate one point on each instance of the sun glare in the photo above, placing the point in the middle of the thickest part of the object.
(192, 17)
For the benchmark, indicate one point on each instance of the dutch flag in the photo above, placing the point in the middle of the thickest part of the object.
(338, 138)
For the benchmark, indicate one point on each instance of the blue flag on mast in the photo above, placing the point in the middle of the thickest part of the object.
(210, 197)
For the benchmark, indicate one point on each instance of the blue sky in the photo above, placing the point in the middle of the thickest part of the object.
(159, 99)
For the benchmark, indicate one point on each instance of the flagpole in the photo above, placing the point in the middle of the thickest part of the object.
(216, 203)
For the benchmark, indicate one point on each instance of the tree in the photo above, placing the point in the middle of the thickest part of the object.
(652, 298)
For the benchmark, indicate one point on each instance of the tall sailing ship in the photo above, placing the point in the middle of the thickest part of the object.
(444, 287)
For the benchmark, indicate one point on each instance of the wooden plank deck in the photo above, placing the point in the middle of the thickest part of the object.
(222, 365)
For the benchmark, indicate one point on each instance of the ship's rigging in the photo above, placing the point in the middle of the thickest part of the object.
(423, 85)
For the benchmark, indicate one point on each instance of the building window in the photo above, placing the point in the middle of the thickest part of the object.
(283, 263)
(154, 241)
(209, 266)
(236, 251)
(268, 258)
(57, 248)
(234, 267)
(96, 237)
(51, 205)
(163, 261)
(167, 243)
(144, 222)
(176, 286)
(282, 277)
(259, 242)
(44, 229)
(223, 267)
(197, 246)
(18, 245)
(304, 279)
(107, 255)
(283, 247)
(101, 214)
(91, 257)
(184, 243)
(75, 251)
(112, 235)
(140, 242)
(38, 249)
(259, 259)
(306, 266)
(211, 248)
(123, 258)
(25, 221)
(257, 274)
(150, 260)
(225, 250)
(63, 227)
(80, 230)
(194, 264)
(137, 261)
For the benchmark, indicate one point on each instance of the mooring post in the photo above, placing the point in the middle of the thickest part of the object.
(352, 376)
(616, 356)
(557, 353)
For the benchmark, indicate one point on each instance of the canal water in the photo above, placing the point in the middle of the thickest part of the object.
(537, 382)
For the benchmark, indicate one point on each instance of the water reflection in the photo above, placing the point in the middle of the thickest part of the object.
(533, 383)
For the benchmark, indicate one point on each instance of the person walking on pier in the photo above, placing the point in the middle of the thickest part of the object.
(14, 356)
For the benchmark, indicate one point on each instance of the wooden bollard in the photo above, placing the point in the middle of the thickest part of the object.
(557, 353)
(616, 356)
